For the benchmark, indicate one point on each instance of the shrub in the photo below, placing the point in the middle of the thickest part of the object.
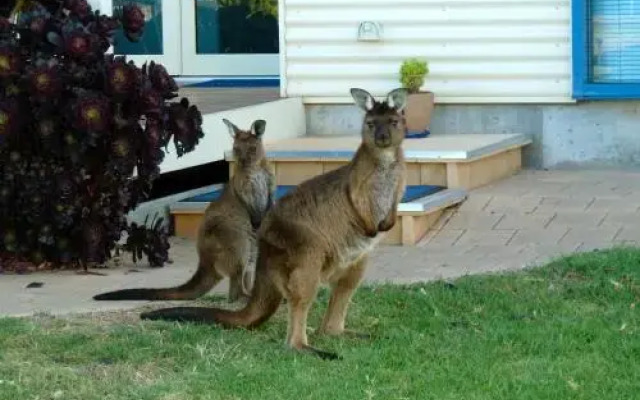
(82, 135)
(412, 74)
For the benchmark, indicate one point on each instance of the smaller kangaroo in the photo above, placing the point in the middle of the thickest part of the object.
(226, 241)
(322, 232)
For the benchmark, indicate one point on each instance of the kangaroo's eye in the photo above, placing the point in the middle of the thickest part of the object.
(394, 123)
(370, 124)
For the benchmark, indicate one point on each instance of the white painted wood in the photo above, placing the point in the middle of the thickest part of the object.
(282, 9)
(285, 120)
(479, 51)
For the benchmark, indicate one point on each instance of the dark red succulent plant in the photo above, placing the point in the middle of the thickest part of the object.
(92, 113)
(78, 44)
(160, 79)
(5, 25)
(75, 123)
(34, 19)
(121, 78)
(151, 101)
(10, 61)
(79, 8)
(46, 128)
(45, 82)
(11, 119)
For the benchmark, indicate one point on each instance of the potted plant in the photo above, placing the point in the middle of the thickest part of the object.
(420, 103)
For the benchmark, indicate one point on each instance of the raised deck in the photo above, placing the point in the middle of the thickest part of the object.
(452, 161)
(419, 208)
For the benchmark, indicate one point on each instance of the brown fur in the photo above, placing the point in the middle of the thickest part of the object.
(322, 232)
(227, 235)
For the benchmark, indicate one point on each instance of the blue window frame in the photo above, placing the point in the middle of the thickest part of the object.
(606, 49)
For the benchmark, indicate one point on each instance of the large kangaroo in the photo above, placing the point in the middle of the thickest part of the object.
(322, 232)
(227, 235)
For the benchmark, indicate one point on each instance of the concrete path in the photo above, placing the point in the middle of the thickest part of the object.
(521, 221)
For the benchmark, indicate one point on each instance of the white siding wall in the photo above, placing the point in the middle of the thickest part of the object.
(479, 51)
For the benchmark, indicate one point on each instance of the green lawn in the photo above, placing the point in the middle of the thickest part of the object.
(569, 330)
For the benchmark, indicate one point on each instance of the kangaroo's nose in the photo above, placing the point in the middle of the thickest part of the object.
(382, 134)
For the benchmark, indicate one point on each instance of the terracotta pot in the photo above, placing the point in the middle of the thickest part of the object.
(417, 114)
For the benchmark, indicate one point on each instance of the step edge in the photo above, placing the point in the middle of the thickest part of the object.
(508, 143)
(432, 202)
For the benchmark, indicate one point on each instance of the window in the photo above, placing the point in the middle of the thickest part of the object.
(606, 49)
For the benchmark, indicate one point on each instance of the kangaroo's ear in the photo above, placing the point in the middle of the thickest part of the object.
(363, 99)
(258, 127)
(397, 99)
(233, 130)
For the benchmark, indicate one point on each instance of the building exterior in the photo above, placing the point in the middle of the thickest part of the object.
(222, 42)
(566, 72)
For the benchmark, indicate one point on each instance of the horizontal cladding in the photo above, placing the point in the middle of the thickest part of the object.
(477, 49)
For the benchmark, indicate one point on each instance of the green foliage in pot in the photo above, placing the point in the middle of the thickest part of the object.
(412, 74)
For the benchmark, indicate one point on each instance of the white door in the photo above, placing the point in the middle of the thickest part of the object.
(161, 39)
(229, 37)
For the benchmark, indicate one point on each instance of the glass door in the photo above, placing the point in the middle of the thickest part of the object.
(230, 37)
(161, 39)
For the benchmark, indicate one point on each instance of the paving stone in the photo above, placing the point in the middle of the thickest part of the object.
(444, 219)
(615, 205)
(520, 189)
(628, 234)
(591, 246)
(541, 253)
(590, 238)
(577, 219)
(510, 204)
(443, 237)
(485, 237)
(620, 219)
(525, 221)
(552, 204)
(548, 236)
(475, 202)
(601, 192)
(473, 220)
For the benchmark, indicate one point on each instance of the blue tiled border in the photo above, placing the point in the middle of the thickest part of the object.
(231, 82)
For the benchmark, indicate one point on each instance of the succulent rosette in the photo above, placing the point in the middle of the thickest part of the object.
(45, 82)
(10, 61)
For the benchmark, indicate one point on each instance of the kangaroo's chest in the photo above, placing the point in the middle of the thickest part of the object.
(382, 196)
(258, 187)
(383, 191)
(356, 247)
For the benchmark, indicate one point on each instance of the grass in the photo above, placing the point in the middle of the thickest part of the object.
(568, 330)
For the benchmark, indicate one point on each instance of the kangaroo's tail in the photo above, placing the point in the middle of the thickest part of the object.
(263, 303)
(199, 284)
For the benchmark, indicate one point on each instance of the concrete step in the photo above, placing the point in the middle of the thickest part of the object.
(420, 209)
